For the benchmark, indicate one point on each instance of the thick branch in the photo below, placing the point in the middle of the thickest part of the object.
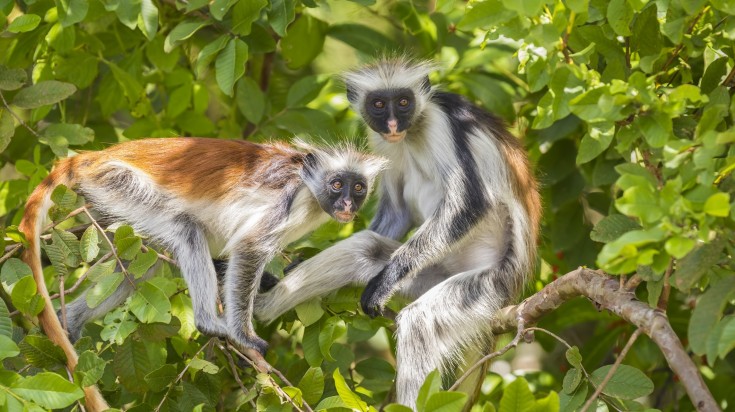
(605, 291)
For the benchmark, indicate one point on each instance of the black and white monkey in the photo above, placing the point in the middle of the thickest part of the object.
(464, 182)
(204, 197)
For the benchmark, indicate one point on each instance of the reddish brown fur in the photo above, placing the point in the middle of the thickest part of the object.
(47, 318)
(524, 185)
(212, 171)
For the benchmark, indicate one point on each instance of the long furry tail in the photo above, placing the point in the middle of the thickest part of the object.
(36, 209)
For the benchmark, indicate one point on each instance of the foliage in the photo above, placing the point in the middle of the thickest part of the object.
(625, 107)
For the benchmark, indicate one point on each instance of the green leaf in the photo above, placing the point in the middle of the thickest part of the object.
(333, 329)
(361, 37)
(244, 14)
(304, 91)
(68, 244)
(376, 368)
(8, 348)
(103, 289)
(71, 11)
(351, 399)
(143, 262)
(548, 404)
(280, 15)
(49, 390)
(595, 142)
(89, 244)
(627, 382)
(693, 266)
(7, 128)
(517, 397)
(574, 357)
(708, 312)
(91, 367)
(727, 337)
(656, 128)
(446, 402)
(12, 79)
(718, 205)
(148, 19)
(572, 379)
(100, 270)
(574, 401)
(432, 384)
(24, 23)
(183, 31)
(310, 344)
(134, 360)
(162, 377)
(6, 324)
(250, 100)
(309, 312)
(208, 53)
(43, 94)
(612, 227)
(312, 385)
(25, 297)
(485, 15)
(679, 246)
(127, 243)
(199, 364)
(40, 352)
(230, 65)
(304, 41)
(619, 16)
(150, 304)
(13, 270)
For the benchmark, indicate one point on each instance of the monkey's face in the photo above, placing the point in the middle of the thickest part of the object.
(343, 195)
(390, 112)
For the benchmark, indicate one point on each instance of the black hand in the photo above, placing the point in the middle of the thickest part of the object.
(376, 293)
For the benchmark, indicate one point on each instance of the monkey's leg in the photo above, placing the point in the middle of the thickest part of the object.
(241, 285)
(354, 260)
(435, 330)
(190, 248)
(78, 313)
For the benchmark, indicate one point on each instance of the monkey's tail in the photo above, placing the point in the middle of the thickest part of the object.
(36, 209)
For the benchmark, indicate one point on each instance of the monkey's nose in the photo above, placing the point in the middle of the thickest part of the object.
(393, 126)
(348, 204)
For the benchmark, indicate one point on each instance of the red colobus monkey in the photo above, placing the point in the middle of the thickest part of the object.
(464, 182)
(198, 198)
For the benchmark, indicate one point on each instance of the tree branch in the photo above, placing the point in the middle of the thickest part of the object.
(605, 291)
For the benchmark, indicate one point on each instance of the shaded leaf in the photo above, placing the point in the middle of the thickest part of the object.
(43, 93)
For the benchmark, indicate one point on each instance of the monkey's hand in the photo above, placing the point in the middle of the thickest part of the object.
(376, 294)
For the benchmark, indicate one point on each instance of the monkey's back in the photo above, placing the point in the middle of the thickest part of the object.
(195, 168)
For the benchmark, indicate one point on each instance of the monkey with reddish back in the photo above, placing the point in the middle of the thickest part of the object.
(200, 198)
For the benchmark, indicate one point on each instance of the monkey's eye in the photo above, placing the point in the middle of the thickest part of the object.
(378, 104)
(359, 187)
(337, 185)
(403, 102)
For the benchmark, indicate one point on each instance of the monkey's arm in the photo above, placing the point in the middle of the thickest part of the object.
(392, 219)
(451, 221)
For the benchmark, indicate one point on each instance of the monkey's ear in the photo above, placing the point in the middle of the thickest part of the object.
(426, 85)
(374, 165)
(351, 93)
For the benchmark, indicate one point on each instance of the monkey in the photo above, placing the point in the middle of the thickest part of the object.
(199, 198)
(465, 184)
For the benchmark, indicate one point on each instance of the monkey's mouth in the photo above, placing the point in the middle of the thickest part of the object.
(344, 217)
(394, 137)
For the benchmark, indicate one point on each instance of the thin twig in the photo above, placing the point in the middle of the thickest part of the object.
(112, 248)
(512, 344)
(161, 256)
(663, 300)
(11, 252)
(612, 370)
(21, 121)
(181, 375)
(81, 279)
(275, 385)
(730, 76)
(231, 361)
(633, 282)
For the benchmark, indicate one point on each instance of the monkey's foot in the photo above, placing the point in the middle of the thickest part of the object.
(250, 341)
